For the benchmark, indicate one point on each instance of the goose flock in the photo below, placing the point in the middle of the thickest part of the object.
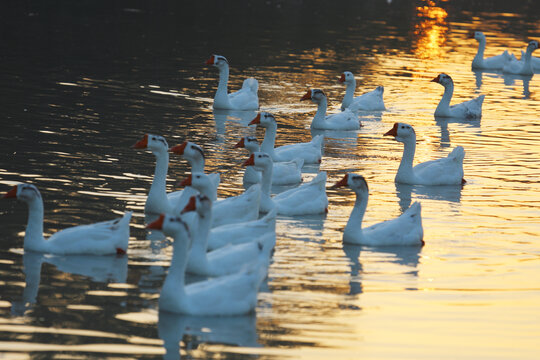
(230, 241)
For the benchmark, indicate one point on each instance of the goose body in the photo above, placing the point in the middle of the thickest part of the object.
(525, 65)
(369, 101)
(535, 61)
(234, 209)
(308, 198)
(345, 120)
(244, 99)
(310, 152)
(243, 232)
(102, 238)
(404, 230)
(228, 295)
(285, 173)
(468, 109)
(496, 62)
(225, 260)
(444, 171)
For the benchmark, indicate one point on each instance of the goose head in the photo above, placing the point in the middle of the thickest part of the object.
(259, 160)
(347, 77)
(443, 79)
(264, 119)
(189, 150)
(218, 61)
(154, 143)
(478, 35)
(198, 180)
(199, 203)
(23, 192)
(533, 45)
(355, 182)
(248, 142)
(402, 132)
(171, 225)
(315, 95)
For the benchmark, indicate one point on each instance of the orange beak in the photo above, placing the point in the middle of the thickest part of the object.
(250, 161)
(437, 79)
(11, 193)
(186, 181)
(392, 131)
(257, 120)
(158, 224)
(342, 182)
(240, 144)
(307, 96)
(342, 78)
(179, 149)
(143, 143)
(190, 205)
(210, 61)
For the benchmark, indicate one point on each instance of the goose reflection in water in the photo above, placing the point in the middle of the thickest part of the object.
(221, 117)
(443, 122)
(404, 192)
(99, 268)
(229, 330)
(509, 80)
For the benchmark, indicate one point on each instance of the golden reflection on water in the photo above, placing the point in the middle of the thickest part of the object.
(430, 32)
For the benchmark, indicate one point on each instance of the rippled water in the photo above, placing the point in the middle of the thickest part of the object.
(83, 83)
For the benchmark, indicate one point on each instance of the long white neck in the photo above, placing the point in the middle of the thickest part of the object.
(269, 140)
(157, 201)
(527, 57)
(33, 238)
(353, 230)
(320, 115)
(349, 94)
(199, 245)
(173, 293)
(197, 163)
(405, 170)
(444, 105)
(221, 99)
(266, 181)
(481, 48)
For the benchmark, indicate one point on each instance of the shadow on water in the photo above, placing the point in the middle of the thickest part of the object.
(443, 122)
(451, 193)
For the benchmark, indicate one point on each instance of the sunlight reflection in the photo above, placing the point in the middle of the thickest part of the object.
(431, 32)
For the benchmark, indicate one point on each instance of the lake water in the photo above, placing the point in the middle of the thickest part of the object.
(82, 82)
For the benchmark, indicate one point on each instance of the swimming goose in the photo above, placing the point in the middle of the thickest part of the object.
(496, 62)
(244, 99)
(345, 120)
(310, 152)
(523, 66)
(308, 198)
(370, 101)
(467, 109)
(444, 171)
(102, 238)
(222, 296)
(404, 230)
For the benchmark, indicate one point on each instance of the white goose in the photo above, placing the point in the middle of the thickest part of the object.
(234, 209)
(496, 62)
(523, 66)
(222, 296)
(403, 230)
(345, 120)
(242, 232)
(244, 99)
(308, 198)
(535, 61)
(468, 109)
(444, 171)
(225, 260)
(285, 173)
(102, 238)
(370, 101)
(310, 152)
(158, 201)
